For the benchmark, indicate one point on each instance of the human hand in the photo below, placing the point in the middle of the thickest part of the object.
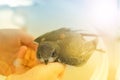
(30, 71)
(52, 71)
(11, 41)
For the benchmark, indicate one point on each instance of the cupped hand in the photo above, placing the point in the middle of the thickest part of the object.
(52, 71)
(11, 41)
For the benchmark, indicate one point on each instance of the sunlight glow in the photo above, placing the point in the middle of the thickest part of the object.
(118, 73)
(16, 3)
(101, 70)
(104, 14)
(9, 19)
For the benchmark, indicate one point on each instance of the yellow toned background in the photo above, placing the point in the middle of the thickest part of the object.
(41, 16)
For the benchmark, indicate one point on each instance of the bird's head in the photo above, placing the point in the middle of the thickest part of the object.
(47, 51)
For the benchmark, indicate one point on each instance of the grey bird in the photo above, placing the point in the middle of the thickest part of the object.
(65, 46)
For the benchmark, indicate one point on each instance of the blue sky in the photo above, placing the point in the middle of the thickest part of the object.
(49, 14)
(45, 15)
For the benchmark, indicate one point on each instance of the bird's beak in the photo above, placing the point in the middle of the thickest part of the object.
(46, 61)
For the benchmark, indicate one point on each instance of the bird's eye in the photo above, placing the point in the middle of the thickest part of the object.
(38, 55)
(54, 54)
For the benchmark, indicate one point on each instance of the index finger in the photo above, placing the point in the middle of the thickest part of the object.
(28, 40)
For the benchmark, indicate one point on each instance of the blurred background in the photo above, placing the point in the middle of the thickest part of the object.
(95, 16)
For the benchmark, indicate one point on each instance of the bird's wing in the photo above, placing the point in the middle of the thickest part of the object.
(76, 51)
(53, 35)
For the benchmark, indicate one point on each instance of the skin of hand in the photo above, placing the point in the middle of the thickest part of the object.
(11, 41)
(52, 71)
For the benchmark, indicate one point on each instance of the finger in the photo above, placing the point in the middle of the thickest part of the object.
(56, 68)
(20, 55)
(52, 71)
(28, 40)
(21, 51)
(41, 72)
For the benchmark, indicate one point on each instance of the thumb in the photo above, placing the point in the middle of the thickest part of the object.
(52, 71)
(56, 69)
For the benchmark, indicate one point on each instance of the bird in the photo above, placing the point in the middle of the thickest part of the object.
(65, 46)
